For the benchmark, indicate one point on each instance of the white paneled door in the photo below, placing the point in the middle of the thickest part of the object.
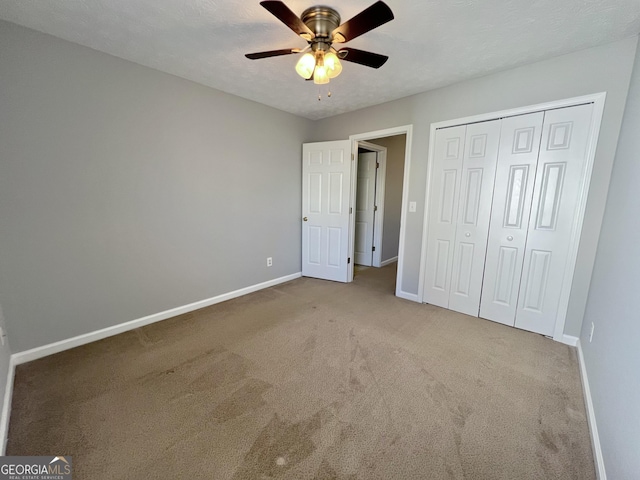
(326, 184)
(513, 192)
(443, 208)
(474, 212)
(365, 208)
(560, 178)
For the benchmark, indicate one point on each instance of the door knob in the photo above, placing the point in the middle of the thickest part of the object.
(467, 234)
(305, 219)
(509, 238)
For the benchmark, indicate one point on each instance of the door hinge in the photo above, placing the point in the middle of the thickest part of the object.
(353, 157)
(348, 260)
(373, 249)
(377, 165)
(375, 208)
(350, 210)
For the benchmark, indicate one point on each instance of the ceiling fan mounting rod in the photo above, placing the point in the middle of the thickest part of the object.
(320, 45)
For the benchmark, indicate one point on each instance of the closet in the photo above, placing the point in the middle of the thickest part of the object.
(502, 201)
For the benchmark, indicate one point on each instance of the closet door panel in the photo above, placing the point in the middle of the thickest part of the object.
(443, 211)
(474, 212)
(513, 193)
(559, 180)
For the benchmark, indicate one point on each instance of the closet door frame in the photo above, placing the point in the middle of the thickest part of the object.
(598, 101)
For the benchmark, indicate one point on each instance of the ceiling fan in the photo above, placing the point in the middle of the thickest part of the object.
(320, 27)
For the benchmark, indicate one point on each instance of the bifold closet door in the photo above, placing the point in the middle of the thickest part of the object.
(561, 175)
(474, 212)
(512, 198)
(443, 208)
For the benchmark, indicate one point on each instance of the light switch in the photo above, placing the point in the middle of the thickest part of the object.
(412, 206)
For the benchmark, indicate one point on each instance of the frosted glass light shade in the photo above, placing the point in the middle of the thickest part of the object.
(305, 65)
(320, 75)
(332, 64)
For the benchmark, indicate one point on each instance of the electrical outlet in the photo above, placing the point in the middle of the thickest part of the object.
(269, 261)
(593, 327)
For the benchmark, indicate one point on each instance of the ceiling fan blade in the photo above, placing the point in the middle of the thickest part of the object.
(368, 59)
(290, 19)
(272, 53)
(377, 14)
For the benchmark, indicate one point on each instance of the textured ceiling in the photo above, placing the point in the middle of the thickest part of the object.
(430, 43)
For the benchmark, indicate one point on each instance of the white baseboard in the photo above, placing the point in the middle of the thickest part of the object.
(389, 261)
(591, 417)
(50, 349)
(569, 340)
(6, 408)
(407, 296)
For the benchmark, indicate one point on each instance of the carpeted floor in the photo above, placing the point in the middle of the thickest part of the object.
(310, 380)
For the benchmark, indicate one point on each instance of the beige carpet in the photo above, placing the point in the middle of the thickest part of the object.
(310, 380)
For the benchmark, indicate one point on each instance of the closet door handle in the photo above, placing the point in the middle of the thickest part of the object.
(509, 238)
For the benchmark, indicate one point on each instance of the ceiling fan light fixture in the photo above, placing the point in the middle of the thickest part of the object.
(305, 65)
(332, 64)
(320, 76)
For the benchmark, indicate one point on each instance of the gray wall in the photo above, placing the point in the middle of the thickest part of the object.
(606, 68)
(613, 358)
(392, 193)
(125, 191)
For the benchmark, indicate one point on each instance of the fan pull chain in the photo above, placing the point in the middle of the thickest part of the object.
(320, 94)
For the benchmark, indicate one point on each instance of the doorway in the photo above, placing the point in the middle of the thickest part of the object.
(329, 189)
(369, 207)
(377, 245)
(508, 251)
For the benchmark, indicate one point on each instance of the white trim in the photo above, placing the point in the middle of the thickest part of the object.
(425, 219)
(540, 107)
(404, 211)
(388, 261)
(407, 296)
(378, 224)
(50, 349)
(352, 210)
(6, 407)
(390, 132)
(598, 100)
(569, 340)
(591, 417)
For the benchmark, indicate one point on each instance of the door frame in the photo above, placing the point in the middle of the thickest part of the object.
(598, 101)
(378, 216)
(406, 130)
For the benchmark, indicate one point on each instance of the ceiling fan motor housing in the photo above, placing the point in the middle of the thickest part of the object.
(321, 20)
